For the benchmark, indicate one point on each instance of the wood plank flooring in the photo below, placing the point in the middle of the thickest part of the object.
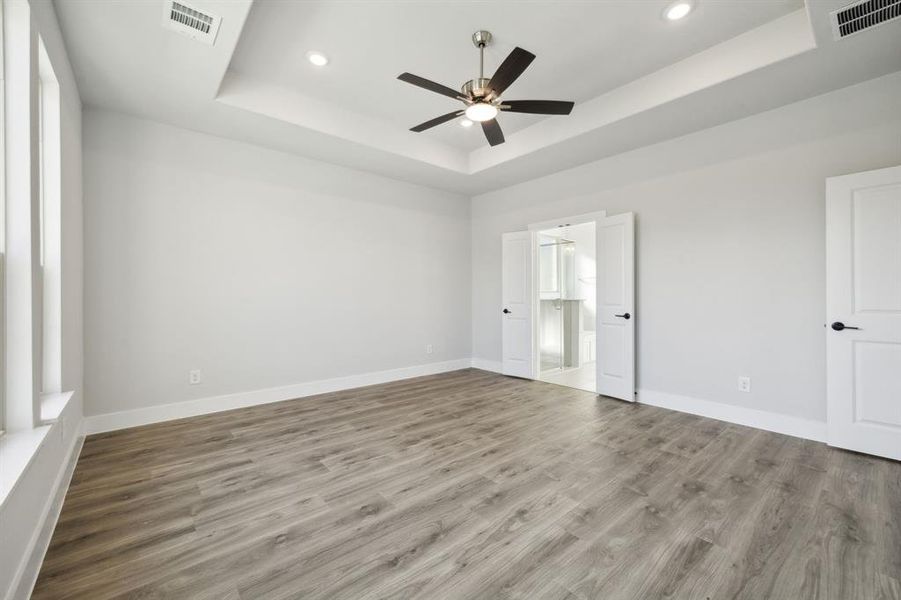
(472, 485)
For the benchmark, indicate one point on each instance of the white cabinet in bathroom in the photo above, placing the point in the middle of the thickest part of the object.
(588, 341)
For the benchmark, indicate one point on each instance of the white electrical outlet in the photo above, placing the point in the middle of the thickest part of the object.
(194, 376)
(744, 384)
(428, 348)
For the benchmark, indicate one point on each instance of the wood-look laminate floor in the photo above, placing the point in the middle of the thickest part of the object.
(472, 485)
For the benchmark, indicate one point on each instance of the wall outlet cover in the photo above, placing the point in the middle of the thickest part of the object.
(194, 376)
(744, 384)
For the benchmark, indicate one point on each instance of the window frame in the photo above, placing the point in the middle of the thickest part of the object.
(2, 223)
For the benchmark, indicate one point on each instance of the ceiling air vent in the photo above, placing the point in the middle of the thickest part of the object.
(187, 20)
(863, 15)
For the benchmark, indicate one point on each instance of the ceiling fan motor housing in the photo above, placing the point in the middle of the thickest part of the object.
(476, 88)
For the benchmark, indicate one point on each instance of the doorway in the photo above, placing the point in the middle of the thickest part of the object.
(567, 306)
(556, 343)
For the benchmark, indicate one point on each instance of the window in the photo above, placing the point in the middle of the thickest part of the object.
(49, 224)
(30, 232)
(30, 244)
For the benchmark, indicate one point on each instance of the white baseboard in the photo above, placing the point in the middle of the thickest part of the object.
(27, 575)
(488, 365)
(778, 423)
(795, 426)
(203, 406)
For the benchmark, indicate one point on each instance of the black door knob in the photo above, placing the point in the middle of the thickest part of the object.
(625, 316)
(839, 326)
(507, 311)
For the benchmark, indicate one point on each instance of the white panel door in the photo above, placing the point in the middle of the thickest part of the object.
(615, 340)
(863, 309)
(517, 303)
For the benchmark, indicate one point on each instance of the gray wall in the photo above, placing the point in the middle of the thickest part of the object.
(260, 268)
(730, 244)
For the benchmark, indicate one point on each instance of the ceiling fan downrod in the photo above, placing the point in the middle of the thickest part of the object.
(479, 87)
(480, 39)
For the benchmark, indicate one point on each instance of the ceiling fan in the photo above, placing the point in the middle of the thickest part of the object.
(482, 95)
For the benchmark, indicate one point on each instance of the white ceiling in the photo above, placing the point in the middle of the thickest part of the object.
(637, 79)
(584, 49)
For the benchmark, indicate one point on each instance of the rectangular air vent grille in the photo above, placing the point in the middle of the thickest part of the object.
(863, 15)
(190, 17)
(188, 20)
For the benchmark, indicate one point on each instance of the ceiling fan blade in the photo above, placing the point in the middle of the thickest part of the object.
(430, 85)
(538, 107)
(493, 132)
(437, 121)
(512, 67)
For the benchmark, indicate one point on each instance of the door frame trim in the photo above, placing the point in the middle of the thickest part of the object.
(534, 229)
(573, 220)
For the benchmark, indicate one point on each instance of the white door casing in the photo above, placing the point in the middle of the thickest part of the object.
(516, 258)
(863, 290)
(615, 337)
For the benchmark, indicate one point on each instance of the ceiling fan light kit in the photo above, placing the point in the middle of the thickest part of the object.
(481, 111)
(482, 95)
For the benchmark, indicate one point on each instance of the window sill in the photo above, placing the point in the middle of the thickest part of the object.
(19, 448)
(52, 406)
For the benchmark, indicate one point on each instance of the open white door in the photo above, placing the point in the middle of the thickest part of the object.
(863, 312)
(616, 306)
(517, 303)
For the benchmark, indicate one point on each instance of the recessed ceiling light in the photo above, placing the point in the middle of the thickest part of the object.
(678, 10)
(317, 58)
(466, 123)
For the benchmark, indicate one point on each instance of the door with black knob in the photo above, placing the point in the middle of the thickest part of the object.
(516, 289)
(616, 306)
(863, 307)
